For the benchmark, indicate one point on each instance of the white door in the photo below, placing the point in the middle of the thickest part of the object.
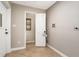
(2, 43)
(39, 29)
(2, 29)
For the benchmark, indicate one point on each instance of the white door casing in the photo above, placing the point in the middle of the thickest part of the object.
(40, 28)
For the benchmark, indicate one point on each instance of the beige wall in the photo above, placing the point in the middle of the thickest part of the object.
(30, 35)
(18, 11)
(64, 38)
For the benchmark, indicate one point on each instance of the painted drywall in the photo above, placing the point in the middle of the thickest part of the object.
(30, 36)
(65, 15)
(17, 23)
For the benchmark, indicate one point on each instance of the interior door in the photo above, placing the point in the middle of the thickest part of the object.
(2, 43)
(2, 29)
(40, 28)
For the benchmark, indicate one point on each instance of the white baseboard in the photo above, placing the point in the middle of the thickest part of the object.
(8, 51)
(14, 49)
(30, 42)
(59, 52)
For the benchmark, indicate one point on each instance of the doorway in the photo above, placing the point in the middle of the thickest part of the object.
(35, 33)
(30, 29)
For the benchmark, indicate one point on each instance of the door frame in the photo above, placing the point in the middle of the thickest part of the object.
(25, 25)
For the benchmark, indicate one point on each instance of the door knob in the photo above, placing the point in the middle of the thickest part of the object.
(6, 32)
(44, 34)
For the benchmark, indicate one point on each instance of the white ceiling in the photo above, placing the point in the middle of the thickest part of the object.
(36, 4)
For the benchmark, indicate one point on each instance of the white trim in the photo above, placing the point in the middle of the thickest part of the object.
(19, 48)
(14, 49)
(30, 41)
(6, 4)
(25, 28)
(59, 52)
(8, 52)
